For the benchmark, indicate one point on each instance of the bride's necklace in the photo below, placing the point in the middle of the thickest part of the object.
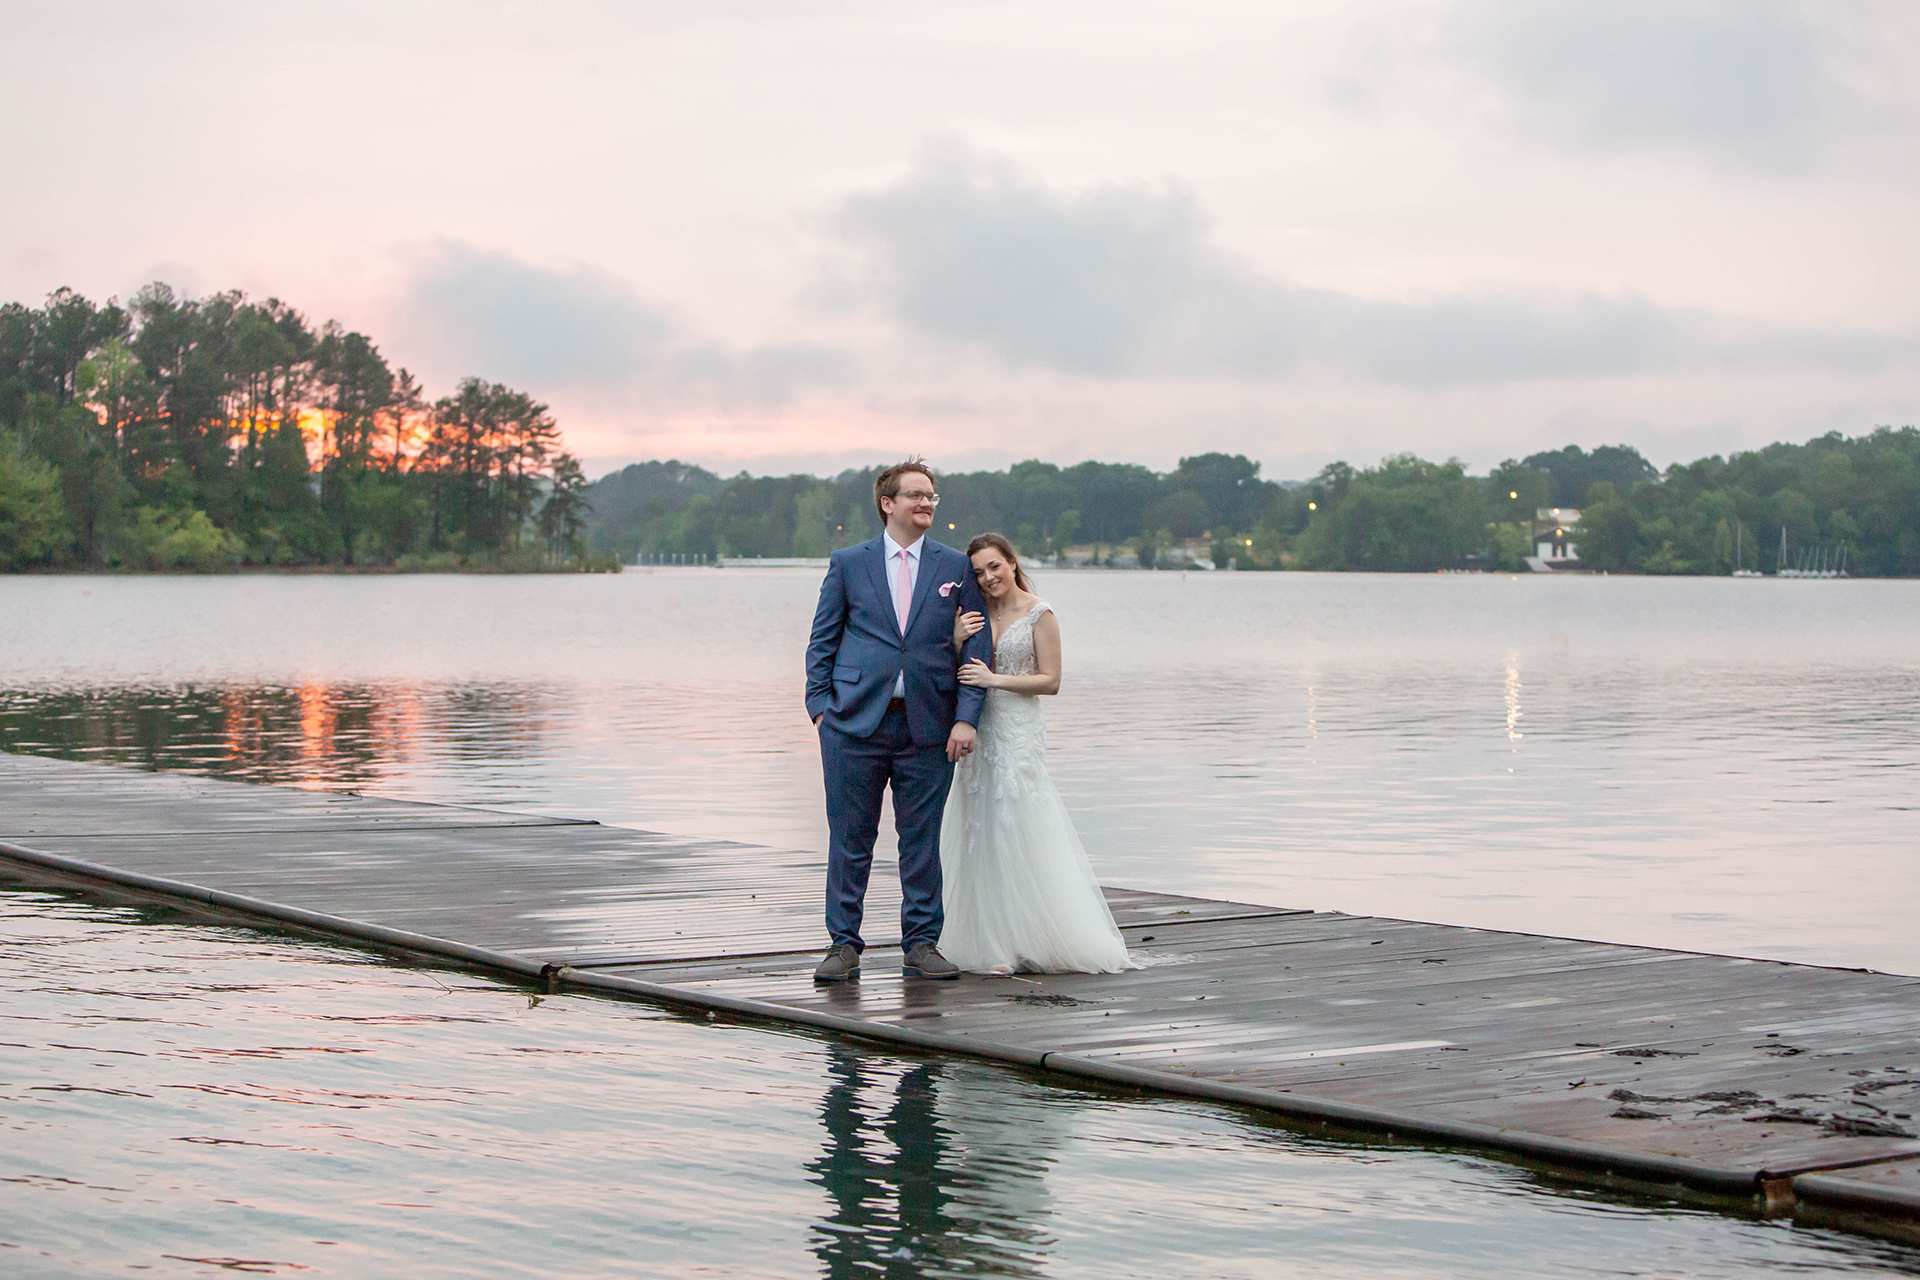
(1001, 611)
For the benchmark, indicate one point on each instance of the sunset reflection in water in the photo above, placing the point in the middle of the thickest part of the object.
(339, 736)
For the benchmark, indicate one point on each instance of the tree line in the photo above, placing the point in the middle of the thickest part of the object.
(1406, 514)
(1861, 494)
(182, 433)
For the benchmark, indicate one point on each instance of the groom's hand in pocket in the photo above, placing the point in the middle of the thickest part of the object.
(960, 741)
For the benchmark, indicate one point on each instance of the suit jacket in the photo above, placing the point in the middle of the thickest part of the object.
(857, 649)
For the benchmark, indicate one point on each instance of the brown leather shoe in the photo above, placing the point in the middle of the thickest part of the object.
(925, 961)
(841, 962)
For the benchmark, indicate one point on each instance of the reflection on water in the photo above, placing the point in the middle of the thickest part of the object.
(903, 1200)
(882, 1171)
(927, 1170)
(200, 1100)
(1513, 697)
(344, 736)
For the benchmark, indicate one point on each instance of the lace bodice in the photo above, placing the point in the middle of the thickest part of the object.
(1013, 730)
(1013, 653)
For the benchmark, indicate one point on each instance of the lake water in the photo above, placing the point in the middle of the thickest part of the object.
(197, 1100)
(1712, 764)
(1698, 763)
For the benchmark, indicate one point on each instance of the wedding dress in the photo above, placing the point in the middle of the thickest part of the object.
(1018, 889)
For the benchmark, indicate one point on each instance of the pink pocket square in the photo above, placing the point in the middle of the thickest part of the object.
(946, 589)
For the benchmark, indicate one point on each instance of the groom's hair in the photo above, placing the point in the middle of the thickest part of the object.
(887, 483)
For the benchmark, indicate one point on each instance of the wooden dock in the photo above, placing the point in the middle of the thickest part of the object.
(1779, 1087)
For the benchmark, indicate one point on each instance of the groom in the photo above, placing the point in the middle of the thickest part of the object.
(881, 689)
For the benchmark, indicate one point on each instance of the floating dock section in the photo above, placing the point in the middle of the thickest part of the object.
(1762, 1086)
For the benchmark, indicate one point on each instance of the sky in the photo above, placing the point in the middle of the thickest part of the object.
(801, 236)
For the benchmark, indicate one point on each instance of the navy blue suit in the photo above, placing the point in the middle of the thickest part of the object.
(853, 657)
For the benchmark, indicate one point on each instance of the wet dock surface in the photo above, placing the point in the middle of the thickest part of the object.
(1739, 1077)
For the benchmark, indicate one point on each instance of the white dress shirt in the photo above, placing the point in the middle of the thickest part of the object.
(893, 589)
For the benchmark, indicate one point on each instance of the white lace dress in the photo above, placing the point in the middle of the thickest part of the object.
(1019, 891)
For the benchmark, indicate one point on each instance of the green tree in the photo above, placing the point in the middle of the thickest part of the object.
(66, 329)
(92, 490)
(1228, 485)
(1609, 531)
(1516, 491)
(1720, 552)
(31, 520)
(355, 388)
(1406, 515)
(162, 539)
(1575, 471)
(815, 518)
(464, 452)
(1183, 513)
(114, 382)
(563, 516)
(1508, 547)
(1150, 547)
(1066, 526)
(180, 405)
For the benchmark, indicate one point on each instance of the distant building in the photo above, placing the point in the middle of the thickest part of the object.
(1552, 526)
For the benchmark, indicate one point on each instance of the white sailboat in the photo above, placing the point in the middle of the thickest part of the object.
(1813, 562)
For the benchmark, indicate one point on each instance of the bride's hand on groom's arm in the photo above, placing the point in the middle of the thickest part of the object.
(966, 625)
(978, 673)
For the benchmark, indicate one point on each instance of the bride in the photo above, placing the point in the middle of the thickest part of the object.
(1019, 891)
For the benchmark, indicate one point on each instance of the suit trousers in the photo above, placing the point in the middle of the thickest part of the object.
(858, 772)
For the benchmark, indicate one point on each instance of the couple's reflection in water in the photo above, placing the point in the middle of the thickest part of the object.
(929, 1170)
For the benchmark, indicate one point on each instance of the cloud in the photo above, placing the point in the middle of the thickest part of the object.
(581, 329)
(1117, 281)
(968, 248)
(1748, 84)
(528, 324)
(756, 376)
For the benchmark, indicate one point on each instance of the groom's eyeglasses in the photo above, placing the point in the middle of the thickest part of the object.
(910, 498)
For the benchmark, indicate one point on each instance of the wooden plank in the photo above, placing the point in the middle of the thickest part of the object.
(1727, 1062)
(1139, 909)
(548, 892)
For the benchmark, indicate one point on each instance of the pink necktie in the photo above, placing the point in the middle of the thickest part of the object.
(903, 592)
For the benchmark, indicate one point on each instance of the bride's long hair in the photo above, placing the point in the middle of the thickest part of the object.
(998, 541)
